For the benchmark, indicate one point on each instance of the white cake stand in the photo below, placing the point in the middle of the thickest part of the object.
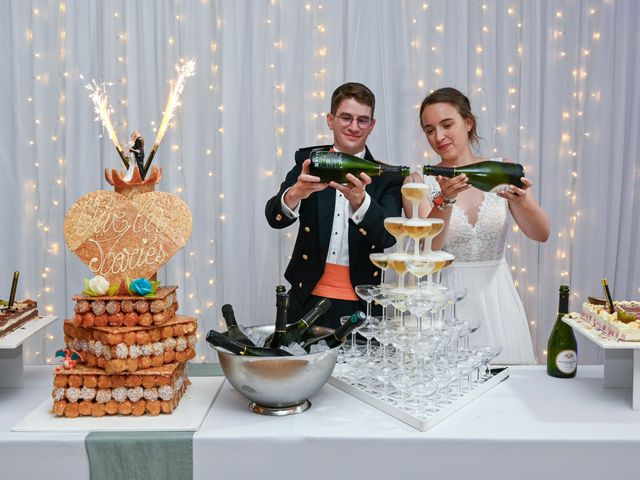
(621, 359)
(11, 366)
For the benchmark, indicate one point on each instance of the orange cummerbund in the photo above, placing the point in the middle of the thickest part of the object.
(335, 283)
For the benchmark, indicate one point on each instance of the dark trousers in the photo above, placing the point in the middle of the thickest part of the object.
(331, 318)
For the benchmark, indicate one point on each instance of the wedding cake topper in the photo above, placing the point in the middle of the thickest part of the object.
(100, 101)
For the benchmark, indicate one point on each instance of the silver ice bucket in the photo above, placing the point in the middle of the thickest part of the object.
(278, 385)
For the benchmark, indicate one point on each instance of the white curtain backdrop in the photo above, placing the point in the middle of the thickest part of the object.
(553, 83)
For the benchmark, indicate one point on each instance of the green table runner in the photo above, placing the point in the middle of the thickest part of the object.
(139, 455)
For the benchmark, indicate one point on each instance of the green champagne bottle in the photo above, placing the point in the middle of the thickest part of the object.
(218, 339)
(338, 336)
(233, 331)
(334, 166)
(278, 338)
(562, 349)
(297, 332)
(488, 176)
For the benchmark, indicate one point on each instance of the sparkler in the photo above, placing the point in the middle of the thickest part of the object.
(188, 69)
(101, 106)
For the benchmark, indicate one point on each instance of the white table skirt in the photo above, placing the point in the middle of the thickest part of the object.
(529, 427)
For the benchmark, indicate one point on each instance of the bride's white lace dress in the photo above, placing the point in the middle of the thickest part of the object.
(480, 266)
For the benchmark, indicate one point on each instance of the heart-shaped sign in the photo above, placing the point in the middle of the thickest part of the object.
(120, 238)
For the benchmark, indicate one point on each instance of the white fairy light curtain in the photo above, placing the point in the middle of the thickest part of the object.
(553, 84)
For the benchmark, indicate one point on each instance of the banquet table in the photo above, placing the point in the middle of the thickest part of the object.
(530, 426)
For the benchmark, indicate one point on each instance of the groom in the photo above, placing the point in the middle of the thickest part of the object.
(340, 225)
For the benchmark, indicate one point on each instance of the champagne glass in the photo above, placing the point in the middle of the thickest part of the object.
(441, 260)
(366, 293)
(353, 351)
(419, 305)
(416, 193)
(420, 266)
(367, 331)
(457, 294)
(487, 353)
(398, 263)
(437, 224)
(380, 260)
(442, 380)
(417, 229)
(398, 301)
(383, 298)
(423, 390)
(393, 225)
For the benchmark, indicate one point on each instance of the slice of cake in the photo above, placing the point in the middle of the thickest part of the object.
(87, 391)
(17, 315)
(623, 324)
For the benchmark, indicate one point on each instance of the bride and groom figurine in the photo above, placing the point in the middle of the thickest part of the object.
(135, 153)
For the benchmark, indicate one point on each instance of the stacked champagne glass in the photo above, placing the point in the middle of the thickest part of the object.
(417, 356)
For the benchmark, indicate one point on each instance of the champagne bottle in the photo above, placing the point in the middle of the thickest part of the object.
(279, 333)
(233, 331)
(218, 339)
(562, 349)
(488, 176)
(337, 337)
(336, 165)
(297, 332)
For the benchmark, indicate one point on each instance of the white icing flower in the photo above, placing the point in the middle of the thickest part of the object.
(99, 285)
(181, 344)
(88, 393)
(103, 395)
(147, 349)
(122, 351)
(193, 340)
(98, 347)
(151, 394)
(135, 394)
(158, 348)
(119, 394)
(58, 394)
(135, 351)
(166, 392)
(169, 343)
(73, 394)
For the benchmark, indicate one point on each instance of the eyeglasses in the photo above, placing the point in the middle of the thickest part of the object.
(346, 120)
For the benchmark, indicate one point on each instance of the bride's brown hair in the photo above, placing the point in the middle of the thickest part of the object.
(459, 101)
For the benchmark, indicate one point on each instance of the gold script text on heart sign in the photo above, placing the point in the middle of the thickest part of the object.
(119, 237)
(107, 228)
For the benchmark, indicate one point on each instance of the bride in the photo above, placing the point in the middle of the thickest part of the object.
(475, 228)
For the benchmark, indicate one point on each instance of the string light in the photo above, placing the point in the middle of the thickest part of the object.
(428, 29)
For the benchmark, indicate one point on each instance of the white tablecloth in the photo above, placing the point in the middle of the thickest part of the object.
(529, 427)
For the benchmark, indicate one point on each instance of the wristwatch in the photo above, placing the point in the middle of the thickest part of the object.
(442, 203)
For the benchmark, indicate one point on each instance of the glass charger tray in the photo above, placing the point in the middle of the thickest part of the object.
(499, 374)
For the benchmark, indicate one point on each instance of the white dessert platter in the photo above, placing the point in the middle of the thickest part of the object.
(11, 366)
(621, 358)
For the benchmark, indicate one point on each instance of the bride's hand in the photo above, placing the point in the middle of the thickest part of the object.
(515, 194)
(451, 187)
